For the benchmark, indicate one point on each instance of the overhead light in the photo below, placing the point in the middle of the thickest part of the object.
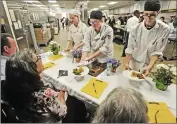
(38, 5)
(87, 1)
(55, 5)
(30, 1)
(111, 3)
(102, 6)
(52, 1)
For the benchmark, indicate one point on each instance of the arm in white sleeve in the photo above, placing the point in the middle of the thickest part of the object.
(105, 49)
(131, 42)
(85, 29)
(87, 42)
(162, 42)
(69, 35)
(70, 39)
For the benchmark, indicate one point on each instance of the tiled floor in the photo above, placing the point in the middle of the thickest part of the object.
(61, 38)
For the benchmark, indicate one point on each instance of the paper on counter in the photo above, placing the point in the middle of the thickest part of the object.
(95, 88)
(161, 112)
(55, 57)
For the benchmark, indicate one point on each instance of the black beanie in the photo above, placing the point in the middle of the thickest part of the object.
(152, 5)
(96, 15)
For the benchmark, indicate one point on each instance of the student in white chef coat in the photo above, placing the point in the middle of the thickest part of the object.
(76, 31)
(147, 40)
(98, 40)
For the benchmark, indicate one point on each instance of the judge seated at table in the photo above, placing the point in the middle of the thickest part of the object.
(8, 48)
(98, 40)
(147, 40)
(122, 106)
(29, 100)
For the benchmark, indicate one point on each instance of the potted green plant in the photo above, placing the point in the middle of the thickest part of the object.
(163, 78)
(54, 47)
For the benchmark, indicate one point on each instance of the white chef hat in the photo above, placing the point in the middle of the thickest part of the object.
(75, 12)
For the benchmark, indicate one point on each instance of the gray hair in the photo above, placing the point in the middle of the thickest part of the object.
(122, 106)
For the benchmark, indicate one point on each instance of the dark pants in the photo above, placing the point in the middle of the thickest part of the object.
(76, 111)
(125, 45)
(63, 25)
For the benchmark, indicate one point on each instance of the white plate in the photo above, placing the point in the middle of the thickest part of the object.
(128, 74)
(85, 72)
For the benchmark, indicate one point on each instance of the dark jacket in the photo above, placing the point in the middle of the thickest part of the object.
(37, 110)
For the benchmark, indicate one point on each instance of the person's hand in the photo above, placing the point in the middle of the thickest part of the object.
(87, 59)
(75, 48)
(61, 95)
(67, 50)
(126, 67)
(146, 71)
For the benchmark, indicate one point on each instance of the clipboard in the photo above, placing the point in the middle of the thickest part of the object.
(159, 112)
(95, 88)
(55, 57)
(48, 65)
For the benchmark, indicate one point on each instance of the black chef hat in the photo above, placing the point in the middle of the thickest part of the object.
(96, 15)
(152, 5)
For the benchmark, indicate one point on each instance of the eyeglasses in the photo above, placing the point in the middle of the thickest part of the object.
(38, 58)
(93, 23)
(149, 15)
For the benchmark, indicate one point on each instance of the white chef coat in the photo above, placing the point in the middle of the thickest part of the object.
(118, 24)
(3, 66)
(102, 41)
(144, 43)
(132, 22)
(171, 26)
(173, 34)
(76, 34)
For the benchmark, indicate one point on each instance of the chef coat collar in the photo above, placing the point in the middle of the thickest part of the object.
(79, 24)
(99, 33)
(155, 26)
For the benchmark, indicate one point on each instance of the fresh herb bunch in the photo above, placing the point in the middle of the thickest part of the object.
(77, 53)
(115, 63)
(163, 75)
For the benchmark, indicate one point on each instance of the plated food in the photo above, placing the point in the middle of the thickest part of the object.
(138, 75)
(133, 75)
(78, 71)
